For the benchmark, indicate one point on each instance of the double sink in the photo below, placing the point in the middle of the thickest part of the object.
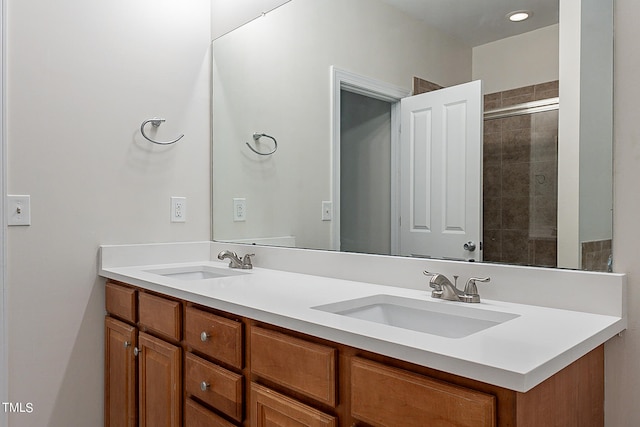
(450, 320)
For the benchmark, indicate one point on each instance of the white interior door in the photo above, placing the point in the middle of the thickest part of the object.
(441, 173)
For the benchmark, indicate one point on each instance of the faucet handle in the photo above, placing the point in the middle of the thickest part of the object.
(471, 290)
(246, 261)
(433, 281)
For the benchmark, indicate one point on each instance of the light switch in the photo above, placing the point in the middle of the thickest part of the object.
(18, 210)
(327, 211)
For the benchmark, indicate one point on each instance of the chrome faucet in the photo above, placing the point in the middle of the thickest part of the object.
(235, 261)
(444, 289)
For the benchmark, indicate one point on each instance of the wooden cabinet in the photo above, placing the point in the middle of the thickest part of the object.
(143, 373)
(200, 367)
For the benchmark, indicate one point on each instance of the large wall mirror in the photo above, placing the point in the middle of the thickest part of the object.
(310, 128)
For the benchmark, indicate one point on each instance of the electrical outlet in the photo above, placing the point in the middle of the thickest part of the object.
(178, 209)
(327, 211)
(240, 209)
(19, 210)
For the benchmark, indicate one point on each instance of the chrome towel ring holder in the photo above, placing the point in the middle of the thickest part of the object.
(256, 137)
(156, 122)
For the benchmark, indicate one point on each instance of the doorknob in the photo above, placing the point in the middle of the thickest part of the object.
(469, 246)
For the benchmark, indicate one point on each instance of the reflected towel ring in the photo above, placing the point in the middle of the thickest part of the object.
(156, 122)
(256, 137)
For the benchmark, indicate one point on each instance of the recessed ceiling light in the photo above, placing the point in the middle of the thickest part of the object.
(519, 15)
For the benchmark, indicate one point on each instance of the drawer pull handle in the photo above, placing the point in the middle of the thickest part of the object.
(204, 385)
(204, 336)
(127, 344)
(136, 351)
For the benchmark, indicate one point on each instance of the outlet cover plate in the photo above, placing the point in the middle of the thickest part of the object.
(178, 209)
(239, 209)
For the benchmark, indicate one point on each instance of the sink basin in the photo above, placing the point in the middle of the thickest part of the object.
(197, 272)
(445, 320)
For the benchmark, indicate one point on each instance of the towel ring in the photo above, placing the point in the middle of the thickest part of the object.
(156, 122)
(256, 137)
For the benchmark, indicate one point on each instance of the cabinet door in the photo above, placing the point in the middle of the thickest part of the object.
(270, 409)
(119, 374)
(159, 379)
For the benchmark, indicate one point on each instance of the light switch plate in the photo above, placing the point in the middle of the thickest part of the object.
(18, 210)
(327, 211)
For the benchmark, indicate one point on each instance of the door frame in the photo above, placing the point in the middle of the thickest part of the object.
(377, 89)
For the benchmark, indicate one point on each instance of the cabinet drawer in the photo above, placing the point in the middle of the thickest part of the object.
(297, 364)
(214, 336)
(160, 315)
(269, 408)
(385, 396)
(222, 388)
(198, 416)
(121, 301)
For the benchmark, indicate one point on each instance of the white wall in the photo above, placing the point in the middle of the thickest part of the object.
(82, 76)
(57, 81)
(265, 81)
(622, 354)
(584, 128)
(517, 61)
(596, 121)
(229, 14)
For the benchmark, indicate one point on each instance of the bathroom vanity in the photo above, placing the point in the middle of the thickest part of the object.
(189, 341)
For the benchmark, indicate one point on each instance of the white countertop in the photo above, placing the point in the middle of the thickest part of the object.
(517, 354)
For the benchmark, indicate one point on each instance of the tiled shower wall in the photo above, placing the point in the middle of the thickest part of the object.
(520, 180)
(520, 187)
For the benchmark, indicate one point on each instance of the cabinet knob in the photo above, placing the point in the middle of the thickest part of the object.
(204, 385)
(204, 336)
(127, 344)
(136, 351)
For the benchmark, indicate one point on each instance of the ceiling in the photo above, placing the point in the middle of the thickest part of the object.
(476, 22)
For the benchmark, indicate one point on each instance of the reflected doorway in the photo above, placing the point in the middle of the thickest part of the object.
(365, 174)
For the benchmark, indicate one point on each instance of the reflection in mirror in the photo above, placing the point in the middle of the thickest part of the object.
(325, 79)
